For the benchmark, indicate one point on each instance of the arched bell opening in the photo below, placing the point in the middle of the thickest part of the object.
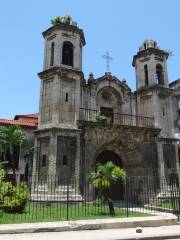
(160, 74)
(67, 54)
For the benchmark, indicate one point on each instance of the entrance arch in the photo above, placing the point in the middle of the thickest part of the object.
(117, 189)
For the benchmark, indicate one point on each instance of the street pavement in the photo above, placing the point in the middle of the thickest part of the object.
(163, 232)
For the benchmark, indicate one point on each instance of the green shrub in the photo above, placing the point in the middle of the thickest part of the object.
(56, 21)
(102, 118)
(13, 199)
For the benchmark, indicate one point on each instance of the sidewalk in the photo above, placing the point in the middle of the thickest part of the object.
(164, 219)
(163, 232)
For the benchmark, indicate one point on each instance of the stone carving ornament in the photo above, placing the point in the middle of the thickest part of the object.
(106, 96)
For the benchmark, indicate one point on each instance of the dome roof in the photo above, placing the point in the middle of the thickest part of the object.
(148, 43)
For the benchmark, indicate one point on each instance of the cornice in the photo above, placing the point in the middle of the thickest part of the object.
(60, 71)
(155, 87)
(145, 53)
(65, 27)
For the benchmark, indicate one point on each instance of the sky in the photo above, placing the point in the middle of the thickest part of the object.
(117, 26)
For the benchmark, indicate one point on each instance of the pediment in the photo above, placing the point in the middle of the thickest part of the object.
(108, 79)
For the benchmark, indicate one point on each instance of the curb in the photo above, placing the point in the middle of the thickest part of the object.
(170, 237)
(160, 209)
(96, 224)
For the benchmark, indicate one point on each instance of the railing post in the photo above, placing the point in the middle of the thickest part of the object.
(87, 114)
(67, 204)
(126, 197)
(178, 203)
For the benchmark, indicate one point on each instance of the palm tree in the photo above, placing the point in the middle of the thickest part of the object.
(11, 137)
(102, 179)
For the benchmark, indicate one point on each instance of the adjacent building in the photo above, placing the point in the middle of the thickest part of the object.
(23, 158)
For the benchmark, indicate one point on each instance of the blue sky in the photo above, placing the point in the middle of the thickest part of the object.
(117, 26)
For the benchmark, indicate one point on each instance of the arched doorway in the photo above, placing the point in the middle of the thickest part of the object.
(117, 189)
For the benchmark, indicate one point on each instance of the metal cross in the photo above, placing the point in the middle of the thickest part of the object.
(108, 58)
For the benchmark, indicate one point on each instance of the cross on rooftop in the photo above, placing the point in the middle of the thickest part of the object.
(108, 58)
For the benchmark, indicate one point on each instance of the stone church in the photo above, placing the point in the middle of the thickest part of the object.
(82, 122)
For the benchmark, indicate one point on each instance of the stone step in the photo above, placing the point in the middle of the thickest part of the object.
(70, 187)
(53, 198)
(61, 193)
(59, 189)
(169, 194)
(41, 188)
(65, 192)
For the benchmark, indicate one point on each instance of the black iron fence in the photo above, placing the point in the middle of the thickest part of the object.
(115, 118)
(51, 200)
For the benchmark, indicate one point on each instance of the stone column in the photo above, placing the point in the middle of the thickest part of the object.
(51, 178)
(34, 177)
(77, 162)
(177, 161)
(161, 163)
(55, 100)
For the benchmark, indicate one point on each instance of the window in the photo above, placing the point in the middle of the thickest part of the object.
(163, 111)
(44, 158)
(8, 159)
(178, 103)
(159, 74)
(178, 106)
(16, 152)
(64, 160)
(3, 156)
(52, 54)
(66, 100)
(179, 155)
(146, 75)
(67, 54)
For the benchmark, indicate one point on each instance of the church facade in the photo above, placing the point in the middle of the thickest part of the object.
(99, 120)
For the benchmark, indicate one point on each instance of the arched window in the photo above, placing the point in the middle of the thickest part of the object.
(52, 54)
(146, 75)
(159, 74)
(67, 54)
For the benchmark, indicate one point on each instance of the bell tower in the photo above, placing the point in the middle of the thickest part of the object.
(153, 96)
(62, 73)
(57, 137)
(63, 44)
(150, 65)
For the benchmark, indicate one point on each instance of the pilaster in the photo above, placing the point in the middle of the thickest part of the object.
(52, 163)
(161, 163)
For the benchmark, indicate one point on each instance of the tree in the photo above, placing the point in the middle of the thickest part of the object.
(102, 179)
(11, 137)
